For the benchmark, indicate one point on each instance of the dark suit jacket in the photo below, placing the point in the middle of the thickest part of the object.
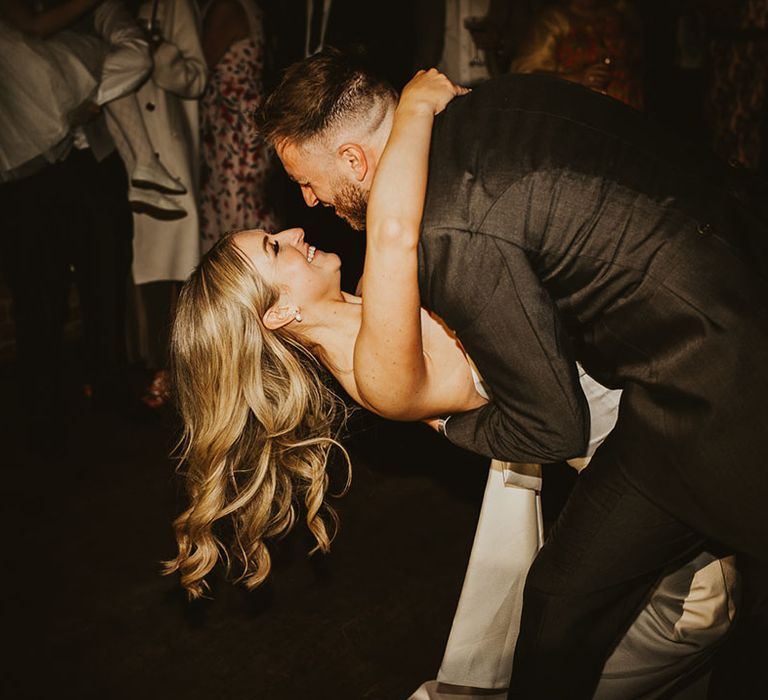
(562, 225)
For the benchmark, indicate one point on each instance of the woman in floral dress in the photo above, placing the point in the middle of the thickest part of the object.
(235, 160)
(597, 43)
(738, 88)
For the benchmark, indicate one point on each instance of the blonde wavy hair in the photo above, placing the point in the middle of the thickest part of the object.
(259, 423)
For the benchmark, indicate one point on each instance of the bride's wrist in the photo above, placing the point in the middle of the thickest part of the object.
(416, 108)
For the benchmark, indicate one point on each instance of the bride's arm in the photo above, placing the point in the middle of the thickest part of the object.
(392, 371)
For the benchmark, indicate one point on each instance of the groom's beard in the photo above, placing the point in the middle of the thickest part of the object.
(351, 204)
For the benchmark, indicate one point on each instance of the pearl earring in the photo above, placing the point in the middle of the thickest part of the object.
(297, 316)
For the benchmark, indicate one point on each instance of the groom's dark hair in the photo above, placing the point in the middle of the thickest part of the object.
(320, 92)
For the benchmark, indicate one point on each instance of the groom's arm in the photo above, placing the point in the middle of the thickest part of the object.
(487, 292)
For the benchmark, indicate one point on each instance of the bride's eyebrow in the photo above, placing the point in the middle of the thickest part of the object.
(264, 243)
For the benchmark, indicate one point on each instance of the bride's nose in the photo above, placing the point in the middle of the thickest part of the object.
(294, 236)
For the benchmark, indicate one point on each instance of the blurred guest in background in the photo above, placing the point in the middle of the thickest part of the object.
(166, 251)
(738, 85)
(87, 66)
(462, 59)
(470, 40)
(236, 162)
(63, 214)
(597, 43)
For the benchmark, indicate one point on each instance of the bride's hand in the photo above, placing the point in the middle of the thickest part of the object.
(430, 91)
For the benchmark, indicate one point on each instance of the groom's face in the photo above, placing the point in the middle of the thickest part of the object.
(323, 179)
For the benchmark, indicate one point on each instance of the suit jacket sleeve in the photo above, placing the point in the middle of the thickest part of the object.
(487, 291)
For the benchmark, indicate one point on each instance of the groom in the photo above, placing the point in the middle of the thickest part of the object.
(561, 225)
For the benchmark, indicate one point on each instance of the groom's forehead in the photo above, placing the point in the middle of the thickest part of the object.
(299, 161)
(289, 154)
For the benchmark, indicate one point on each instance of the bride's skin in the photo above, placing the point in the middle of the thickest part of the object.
(393, 369)
(331, 318)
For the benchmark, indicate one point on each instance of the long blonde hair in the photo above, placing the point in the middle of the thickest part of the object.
(259, 422)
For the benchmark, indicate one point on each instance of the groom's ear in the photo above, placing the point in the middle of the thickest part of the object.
(279, 315)
(353, 159)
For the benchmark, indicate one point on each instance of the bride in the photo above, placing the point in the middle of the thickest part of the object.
(252, 323)
(257, 325)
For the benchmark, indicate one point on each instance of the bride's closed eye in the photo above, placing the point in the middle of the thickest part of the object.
(275, 246)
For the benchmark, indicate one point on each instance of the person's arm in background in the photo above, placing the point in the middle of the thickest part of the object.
(44, 24)
(129, 60)
(392, 372)
(224, 23)
(179, 60)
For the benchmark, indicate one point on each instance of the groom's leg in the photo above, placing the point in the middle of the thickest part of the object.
(588, 582)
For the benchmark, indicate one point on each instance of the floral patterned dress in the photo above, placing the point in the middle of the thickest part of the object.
(738, 92)
(564, 42)
(235, 159)
(607, 36)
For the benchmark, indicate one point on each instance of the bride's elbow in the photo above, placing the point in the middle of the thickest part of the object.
(393, 405)
(393, 232)
(398, 413)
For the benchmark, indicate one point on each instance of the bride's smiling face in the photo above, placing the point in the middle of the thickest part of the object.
(285, 259)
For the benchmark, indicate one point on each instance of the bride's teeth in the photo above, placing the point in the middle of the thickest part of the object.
(311, 253)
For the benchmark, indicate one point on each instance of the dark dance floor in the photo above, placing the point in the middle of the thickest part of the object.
(88, 508)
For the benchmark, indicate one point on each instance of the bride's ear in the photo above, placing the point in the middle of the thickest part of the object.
(280, 315)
